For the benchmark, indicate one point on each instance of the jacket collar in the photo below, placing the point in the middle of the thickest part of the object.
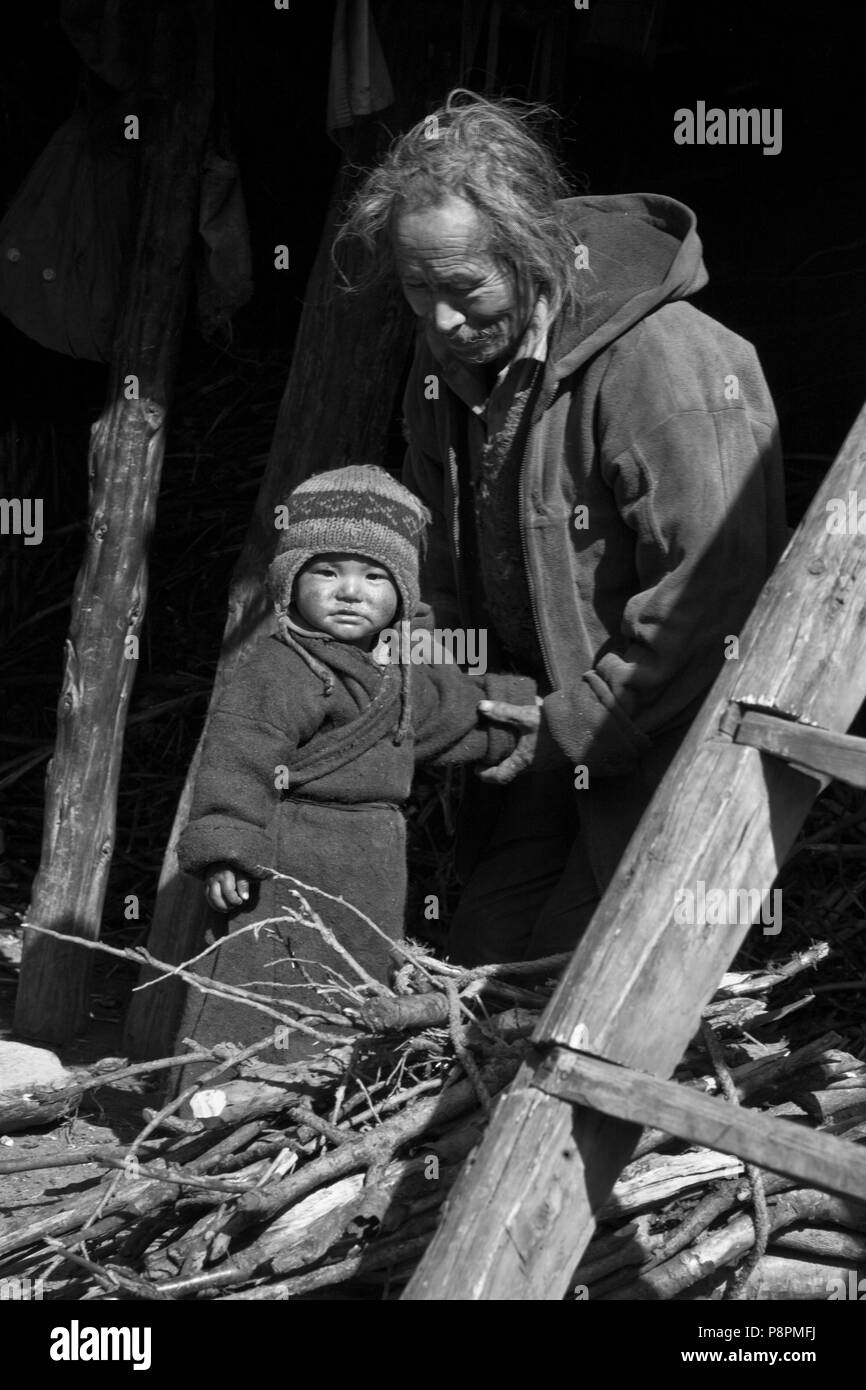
(470, 384)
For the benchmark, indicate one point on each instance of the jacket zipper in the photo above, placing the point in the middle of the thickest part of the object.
(522, 489)
(455, 515)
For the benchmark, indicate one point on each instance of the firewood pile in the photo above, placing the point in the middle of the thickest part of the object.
(685, 1222)
(326, 1178)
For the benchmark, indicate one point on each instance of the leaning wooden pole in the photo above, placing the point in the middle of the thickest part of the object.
(124, 467)
(725, 816)
(337, 405)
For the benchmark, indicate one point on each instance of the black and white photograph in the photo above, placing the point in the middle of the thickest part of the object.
(433, 672)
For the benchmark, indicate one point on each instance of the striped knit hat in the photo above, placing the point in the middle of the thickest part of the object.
(357, 510)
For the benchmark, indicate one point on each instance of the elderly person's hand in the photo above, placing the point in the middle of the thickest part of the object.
(527, 719)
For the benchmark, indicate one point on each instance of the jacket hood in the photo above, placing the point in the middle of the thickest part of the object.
(643, 250)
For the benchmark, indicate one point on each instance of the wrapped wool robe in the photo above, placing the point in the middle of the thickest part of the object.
(338, 827)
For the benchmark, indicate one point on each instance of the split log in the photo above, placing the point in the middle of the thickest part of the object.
(28, 1107)
(762, 1074)
(655, 1180)
(237, 1101)
(727, 1246)
(718, 1201)
(755, 982)
(385, 1256)
(775, 1277)
(306, 1232)
(124, 468)
(405, 1012)
(725, 814)
(835, 1109)
(825, 1245)
(733, 1013)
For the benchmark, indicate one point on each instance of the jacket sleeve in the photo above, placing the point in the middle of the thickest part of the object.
(424, 474)
(701, 490)
(236, 791)
(448, 727)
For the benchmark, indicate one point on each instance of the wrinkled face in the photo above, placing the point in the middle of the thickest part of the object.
(349, 597)
(451, 282)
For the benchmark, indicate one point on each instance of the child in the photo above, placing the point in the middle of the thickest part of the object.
(310, 755)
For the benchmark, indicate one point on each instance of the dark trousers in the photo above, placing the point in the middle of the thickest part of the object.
(535, 875)
(535, 831)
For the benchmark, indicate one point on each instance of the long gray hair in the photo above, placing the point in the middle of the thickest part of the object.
(487, 153)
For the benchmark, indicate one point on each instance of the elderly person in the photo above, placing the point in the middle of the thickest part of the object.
(602, 463)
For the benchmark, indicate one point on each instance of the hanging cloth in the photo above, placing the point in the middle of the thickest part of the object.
(62, 241)
(358, 83)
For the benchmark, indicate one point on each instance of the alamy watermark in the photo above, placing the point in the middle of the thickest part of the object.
(21, 1289)
(851, 1286)
(846, 517)
(736, 126)
(77, 1343)
(438, 646)
(22, 516)
(727, 907)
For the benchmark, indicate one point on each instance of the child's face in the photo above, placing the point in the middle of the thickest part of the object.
(349, 597)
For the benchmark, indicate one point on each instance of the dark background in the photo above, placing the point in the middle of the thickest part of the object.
(784, 235)
(784, 240)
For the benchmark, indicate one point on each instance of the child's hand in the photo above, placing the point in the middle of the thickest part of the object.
(224, 890)
(524, 718)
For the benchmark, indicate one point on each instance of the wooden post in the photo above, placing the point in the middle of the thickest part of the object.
(124, 467)
(346, 367)
(725, 815)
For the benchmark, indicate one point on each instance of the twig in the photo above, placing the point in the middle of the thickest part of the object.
(398, 1101)
(101, 1154)
(390, 1252)
(221, 990)
(314, 920)
(178, 1177)
(544, 965)
(400, 946)
(111, 1278)
(305, 1116)
(254, 927)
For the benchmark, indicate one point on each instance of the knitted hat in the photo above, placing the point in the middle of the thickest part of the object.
(357, 510)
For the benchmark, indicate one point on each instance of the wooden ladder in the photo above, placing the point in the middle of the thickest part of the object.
(770, 736)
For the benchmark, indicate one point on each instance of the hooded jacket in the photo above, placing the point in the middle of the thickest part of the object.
(658, 421)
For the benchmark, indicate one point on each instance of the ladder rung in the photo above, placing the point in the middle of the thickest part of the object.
(815, 751)
(821, 1160)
